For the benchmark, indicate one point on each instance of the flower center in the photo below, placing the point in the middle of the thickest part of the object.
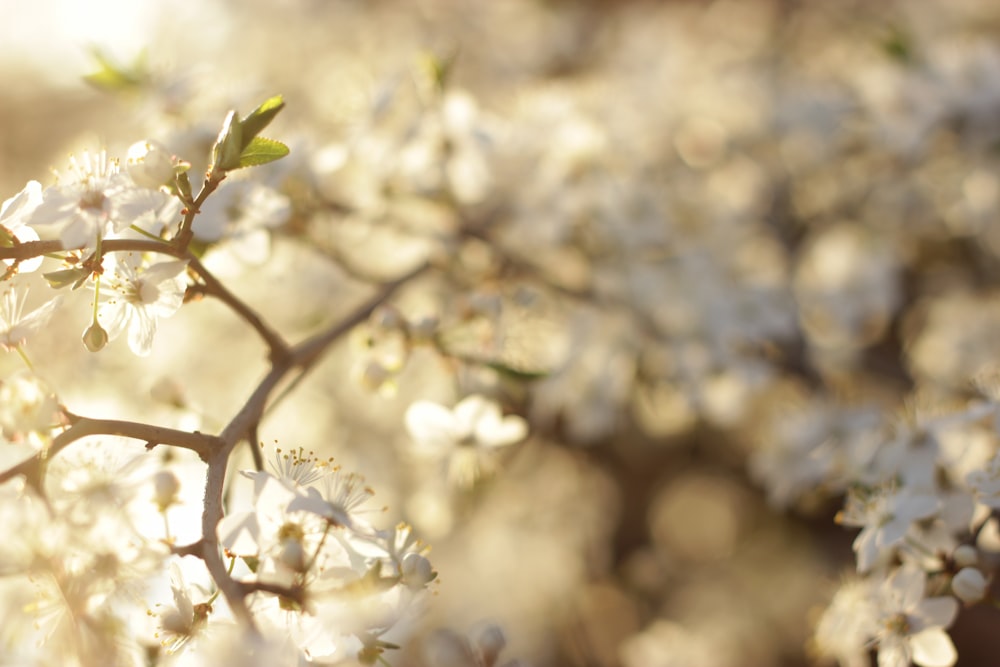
(92, 200)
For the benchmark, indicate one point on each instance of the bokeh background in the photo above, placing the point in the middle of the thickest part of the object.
(711, 238)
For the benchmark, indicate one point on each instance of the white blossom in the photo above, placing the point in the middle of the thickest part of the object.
(885, 515)
(15, 325)
(911, 627)
(467, 437)
(94, 200)
(136, 296)
(14, 213)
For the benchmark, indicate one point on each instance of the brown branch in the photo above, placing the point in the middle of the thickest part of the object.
(215, 450)
(210, 553)
(245, 422)
(185, 232)
(292, 593)
(201, 443)
(278, 347)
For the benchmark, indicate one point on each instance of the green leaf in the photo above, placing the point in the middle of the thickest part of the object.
(259, 118)
(184, 187)
(522, 374)
(64, 277)
(227, 148)
(438, 69)
(898, 45)
(261, 151)
(252, 562)
(114, 77)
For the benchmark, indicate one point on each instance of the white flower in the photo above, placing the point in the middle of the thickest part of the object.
(341, 495)
(13, 214)
(138, 298)
(885, 515)
(263, 527)
(467, 436)
(240, 215)
(27, 405)
(846, 626)
(184, 619)
(911, 627)
(15, 327)
(94, 201)
(149, 164)
(986, 483)
(475, 421)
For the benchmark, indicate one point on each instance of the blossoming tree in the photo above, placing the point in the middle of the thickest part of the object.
(652, 317)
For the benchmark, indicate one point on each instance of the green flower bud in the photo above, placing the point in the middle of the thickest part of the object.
(95, 337)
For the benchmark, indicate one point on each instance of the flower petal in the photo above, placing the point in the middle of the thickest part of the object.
(933, 648)
(431, 425)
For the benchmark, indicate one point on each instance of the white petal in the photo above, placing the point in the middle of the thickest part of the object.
(26, 234)
(252, 247)
(936, 612)
(495, 432)
(240, 533)
(431, 425)
(893, 653)
(22, 203)
(161, 271)
(141, 330)
(933, 648)
(908, 583)
(471, 409)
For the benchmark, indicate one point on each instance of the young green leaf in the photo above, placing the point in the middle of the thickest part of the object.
(261, 151)
(227, 148)
(113, 77)
(260, 118)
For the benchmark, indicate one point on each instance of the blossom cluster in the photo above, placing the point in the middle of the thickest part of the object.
(100, 526)
(639, 311)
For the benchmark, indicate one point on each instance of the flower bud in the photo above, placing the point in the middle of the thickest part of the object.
(95, 337)
(965, 555)
(165, 489)
(969, 585)
(149, 164)
(490, 641)
(417, 571)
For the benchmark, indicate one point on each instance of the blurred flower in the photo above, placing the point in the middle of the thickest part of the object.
(910, 626)
(28, 406)
(847, 624)
(467, 435)
(15, 327)
(885, 515)
(182, 621)
(238, 216)
(149, 164)
(476, 421)
(13, 214)
(986, 483)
